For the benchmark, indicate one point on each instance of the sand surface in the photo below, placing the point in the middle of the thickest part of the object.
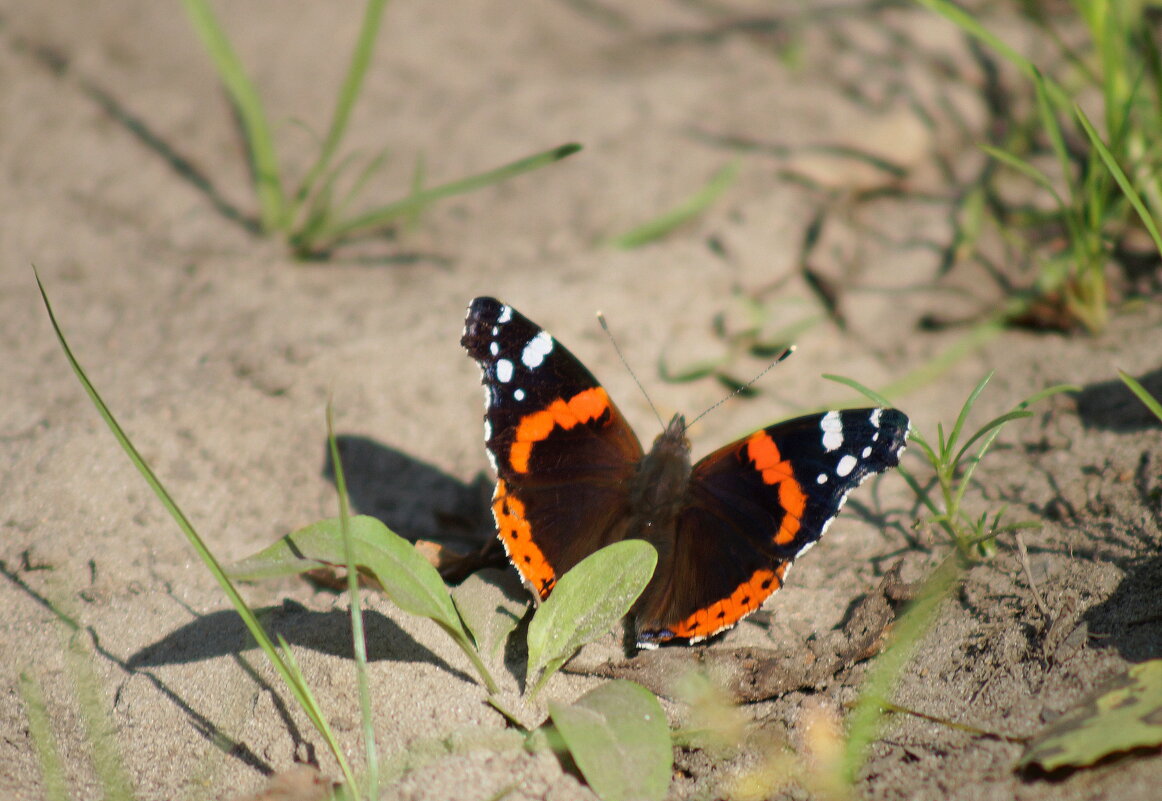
(855, 126)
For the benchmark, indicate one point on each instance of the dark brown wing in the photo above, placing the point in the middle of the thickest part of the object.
(563, 453)
(754, 506)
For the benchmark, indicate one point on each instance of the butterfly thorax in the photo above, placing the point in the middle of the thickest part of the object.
(659, 487)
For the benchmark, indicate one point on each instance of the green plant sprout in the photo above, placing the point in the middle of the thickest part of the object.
(1127, 71)
(954, 466)
(617, 730)
(314, 215)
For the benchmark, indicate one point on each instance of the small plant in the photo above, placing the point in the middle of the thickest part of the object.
(953, 466)
(617, 734)
(1125, 67)
(315, 215)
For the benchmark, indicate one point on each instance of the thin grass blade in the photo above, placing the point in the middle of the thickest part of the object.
(1116, 171)
(1136, 387)
(348, 94)
(377, 218)
(297, 688)
(259, 140)
(358, 638)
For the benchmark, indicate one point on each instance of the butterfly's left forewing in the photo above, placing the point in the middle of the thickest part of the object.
(757, 504)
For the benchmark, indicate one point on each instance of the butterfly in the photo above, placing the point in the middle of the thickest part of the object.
(572, 477)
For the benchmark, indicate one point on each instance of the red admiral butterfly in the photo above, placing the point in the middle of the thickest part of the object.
(572, 477)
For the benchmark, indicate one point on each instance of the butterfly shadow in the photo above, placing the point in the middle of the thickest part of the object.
(417, 500)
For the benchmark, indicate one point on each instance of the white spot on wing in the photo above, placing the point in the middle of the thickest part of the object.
(536, 350)
(821, 478)
(866, 452)
(874, 419)
(504, 371)
(505, 314)
(832, 428)
(487, 429)
(519, 394)
(846, 465)
(494, 348)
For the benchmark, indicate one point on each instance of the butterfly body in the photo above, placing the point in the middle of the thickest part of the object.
(573, 477)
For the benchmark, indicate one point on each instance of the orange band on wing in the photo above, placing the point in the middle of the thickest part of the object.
(516, 534)
(763, 451)
(533, 428)
(723, 614)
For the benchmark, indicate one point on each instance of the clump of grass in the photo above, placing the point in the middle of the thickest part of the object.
(315, 215)
(1094, 194)
(616, 734)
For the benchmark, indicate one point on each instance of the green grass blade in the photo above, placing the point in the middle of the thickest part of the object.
(358, 638)
(259, 140)
(995, 424)
(52, 769)
(179, 517)
(360, 59)
(966, 22)
(1052, 128)
(1025, 168)
(1116, 171)
(377, 218)
(954, 436)
(1136, 387)
(686, 211)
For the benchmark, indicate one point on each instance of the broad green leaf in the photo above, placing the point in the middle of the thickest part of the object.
(618, 736)
(487, 608)
(585, 602)
(1126, 714)
(407, 577)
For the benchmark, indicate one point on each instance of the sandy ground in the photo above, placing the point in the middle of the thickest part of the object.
(855, 125)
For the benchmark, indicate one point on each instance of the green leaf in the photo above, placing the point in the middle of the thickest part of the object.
(487, 608)
(618, 736)
(407, 577)
(585, 602)
(1127, 714)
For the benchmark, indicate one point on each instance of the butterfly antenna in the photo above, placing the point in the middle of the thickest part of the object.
(633, 375)
(787, 351)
